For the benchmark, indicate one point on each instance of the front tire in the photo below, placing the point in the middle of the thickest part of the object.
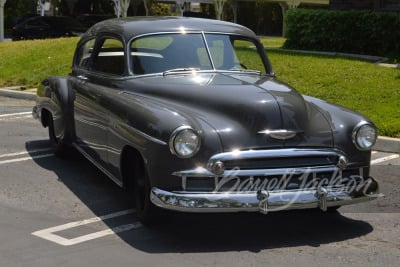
(145, 209)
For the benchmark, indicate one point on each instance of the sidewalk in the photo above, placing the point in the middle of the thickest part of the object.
(380, 61)
(384, 144)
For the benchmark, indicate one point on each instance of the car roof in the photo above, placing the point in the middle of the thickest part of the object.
(135, 26)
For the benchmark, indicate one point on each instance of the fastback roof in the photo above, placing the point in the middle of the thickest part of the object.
(134, 26)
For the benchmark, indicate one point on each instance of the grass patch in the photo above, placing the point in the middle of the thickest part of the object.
(359, 85)
(29, 62)
(273, 42)
(367, 88)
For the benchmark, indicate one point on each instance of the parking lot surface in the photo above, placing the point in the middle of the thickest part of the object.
(64, 212)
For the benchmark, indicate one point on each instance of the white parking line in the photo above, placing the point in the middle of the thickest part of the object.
(25, 152)
(49, 235)
(26, 158)
(15, 114)
(387, 158)
(16, 118)
(29, 157)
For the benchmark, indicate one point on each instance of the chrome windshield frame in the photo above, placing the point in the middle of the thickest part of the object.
(267, 69)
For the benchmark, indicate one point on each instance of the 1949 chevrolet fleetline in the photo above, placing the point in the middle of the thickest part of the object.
(189, 115)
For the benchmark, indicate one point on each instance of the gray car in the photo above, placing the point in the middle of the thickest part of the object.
(188, 115)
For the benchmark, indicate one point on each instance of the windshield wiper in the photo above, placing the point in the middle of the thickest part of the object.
(180, 70)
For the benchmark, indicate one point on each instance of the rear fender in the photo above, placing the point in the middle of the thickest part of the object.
(61, 95)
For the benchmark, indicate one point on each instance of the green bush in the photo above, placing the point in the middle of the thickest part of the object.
(360, 32)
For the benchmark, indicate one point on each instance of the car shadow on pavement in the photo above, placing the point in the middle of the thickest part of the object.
(245, 232)
(81, 177)
(197, 233)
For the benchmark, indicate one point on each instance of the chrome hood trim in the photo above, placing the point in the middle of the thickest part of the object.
(275, 153)
(281, 134)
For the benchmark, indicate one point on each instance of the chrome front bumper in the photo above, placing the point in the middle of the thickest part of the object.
(263, 201)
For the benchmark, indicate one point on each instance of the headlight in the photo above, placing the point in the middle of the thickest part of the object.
(364, 135)
(184, 142)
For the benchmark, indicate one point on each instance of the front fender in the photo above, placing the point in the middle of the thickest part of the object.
(147, 124)
(342, 121)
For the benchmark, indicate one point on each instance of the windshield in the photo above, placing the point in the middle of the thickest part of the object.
(191, 51)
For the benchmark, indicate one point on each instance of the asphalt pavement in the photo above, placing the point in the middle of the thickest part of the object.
(65, 212)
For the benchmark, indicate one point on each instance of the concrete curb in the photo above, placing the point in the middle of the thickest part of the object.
(374, 59)
(393, 66)
(384, 144)
(17, 94)
(387, 144)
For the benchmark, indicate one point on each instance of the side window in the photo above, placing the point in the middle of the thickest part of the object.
(217, 52)
(234, 53)
(110, 58)
(147, 53)
(247, 56)
(84, 55)
(221, 51)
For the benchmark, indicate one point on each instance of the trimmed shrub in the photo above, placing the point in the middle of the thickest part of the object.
(360, 32)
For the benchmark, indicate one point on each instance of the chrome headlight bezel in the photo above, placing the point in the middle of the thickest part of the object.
(364, 136)
(184, 142)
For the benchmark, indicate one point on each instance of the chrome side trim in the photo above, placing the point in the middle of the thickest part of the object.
(264, 201)
(102, 127)
(98, 147)
(146, 136)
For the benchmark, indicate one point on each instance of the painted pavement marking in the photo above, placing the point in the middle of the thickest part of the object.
(15, 114)
(49, 233)
(16, 156)
(383, 159)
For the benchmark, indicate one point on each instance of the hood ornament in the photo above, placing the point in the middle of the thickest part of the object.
(280, 134)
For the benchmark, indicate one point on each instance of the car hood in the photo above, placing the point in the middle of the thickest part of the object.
(240, 108)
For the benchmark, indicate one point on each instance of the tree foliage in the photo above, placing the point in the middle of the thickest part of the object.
(15, 8)
(361, 32)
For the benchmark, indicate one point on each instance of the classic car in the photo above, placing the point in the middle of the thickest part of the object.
(188, 115)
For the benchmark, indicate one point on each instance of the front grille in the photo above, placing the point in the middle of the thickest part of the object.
(276, 169)
(268, 163)
(275, 182)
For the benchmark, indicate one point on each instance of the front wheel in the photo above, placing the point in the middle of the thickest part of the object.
(145, 209)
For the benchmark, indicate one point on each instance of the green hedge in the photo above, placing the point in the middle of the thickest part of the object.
(361, 32)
